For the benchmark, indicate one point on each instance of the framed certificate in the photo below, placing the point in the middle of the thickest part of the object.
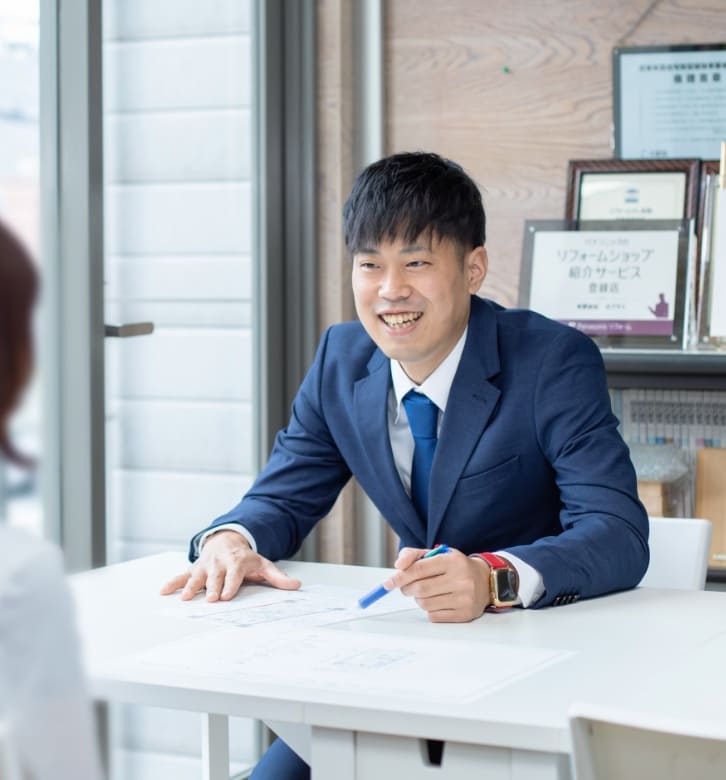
(632, 189)
(623, 283)
(710, 169)
(711, 298)
(669, 101)
(704, 226)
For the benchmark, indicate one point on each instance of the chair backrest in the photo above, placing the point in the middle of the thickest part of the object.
(610, 745)
(679, 549)
(9, 769)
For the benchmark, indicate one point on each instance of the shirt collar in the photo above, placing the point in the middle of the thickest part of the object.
(437, 386)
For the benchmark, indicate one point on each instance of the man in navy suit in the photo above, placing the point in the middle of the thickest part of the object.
(527, 460)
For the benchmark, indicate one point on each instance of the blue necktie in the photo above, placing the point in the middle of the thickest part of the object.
(423, 415)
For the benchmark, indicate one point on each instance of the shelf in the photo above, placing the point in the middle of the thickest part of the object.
(666, 369)
(663, 369)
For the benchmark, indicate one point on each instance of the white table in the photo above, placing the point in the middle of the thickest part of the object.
(654, 651)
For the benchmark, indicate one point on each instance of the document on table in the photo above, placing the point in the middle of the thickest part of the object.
(259, 605)
(317, 637)
(351, 662)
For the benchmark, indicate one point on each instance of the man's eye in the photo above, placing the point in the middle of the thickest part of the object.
(367, 265)
(416, 263)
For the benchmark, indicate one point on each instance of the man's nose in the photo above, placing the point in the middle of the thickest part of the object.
(394, 285)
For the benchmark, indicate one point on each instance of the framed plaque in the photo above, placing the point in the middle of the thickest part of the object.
(632, 189)
(669, 101)
(711, 298)
(710, 170)
(704, 225)
(623, 283)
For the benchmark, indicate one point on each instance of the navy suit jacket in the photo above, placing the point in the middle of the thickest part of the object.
(529, 459)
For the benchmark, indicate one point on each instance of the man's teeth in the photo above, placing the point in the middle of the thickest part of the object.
(400, 320)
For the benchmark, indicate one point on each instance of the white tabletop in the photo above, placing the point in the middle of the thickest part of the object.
(648, 650)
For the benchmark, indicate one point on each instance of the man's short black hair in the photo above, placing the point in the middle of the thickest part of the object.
(409, 195)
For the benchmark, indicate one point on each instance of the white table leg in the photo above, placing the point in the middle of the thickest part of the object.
(333, 754)
(215, 747)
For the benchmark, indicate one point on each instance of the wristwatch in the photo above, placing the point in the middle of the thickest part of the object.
(503, 580)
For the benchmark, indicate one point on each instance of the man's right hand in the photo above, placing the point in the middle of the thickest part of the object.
(225, 562)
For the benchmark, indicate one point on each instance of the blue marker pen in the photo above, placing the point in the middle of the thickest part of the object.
(380, 591)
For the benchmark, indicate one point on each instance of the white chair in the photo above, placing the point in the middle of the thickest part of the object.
(611, 745)
(679, 549)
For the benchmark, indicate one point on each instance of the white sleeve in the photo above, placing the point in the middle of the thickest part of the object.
(227, 527)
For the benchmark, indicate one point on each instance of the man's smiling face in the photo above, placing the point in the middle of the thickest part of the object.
(413, 299)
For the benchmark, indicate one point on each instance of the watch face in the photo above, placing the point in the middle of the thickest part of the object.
(505, 585)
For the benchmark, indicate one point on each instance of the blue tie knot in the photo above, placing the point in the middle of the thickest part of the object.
(422, 413)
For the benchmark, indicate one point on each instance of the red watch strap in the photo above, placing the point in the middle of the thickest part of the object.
(494, 560)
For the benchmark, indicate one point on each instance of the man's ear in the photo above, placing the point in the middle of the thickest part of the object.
(477, 264)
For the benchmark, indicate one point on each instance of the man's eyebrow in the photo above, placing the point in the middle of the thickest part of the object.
(406, 250)
(414, 248)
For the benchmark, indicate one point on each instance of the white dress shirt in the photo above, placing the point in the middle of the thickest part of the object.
(436, 387)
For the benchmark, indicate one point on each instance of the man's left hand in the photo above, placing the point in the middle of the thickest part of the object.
(451, 588)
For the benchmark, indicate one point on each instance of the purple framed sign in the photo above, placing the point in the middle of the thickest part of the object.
(623, 283)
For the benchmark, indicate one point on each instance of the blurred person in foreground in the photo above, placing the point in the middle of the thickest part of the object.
(44, 706)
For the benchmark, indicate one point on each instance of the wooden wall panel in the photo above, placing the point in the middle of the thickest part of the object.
(513, 89)
(335, 156)
(334, 539)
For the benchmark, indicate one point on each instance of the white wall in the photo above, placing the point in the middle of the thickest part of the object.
(177, 112)
(178, 212)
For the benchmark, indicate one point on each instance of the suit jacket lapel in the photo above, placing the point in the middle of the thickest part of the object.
(370, 401)
(471, 401)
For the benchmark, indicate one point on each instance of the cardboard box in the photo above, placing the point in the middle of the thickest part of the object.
(652, 494)
(661, 499)
(711, 499)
